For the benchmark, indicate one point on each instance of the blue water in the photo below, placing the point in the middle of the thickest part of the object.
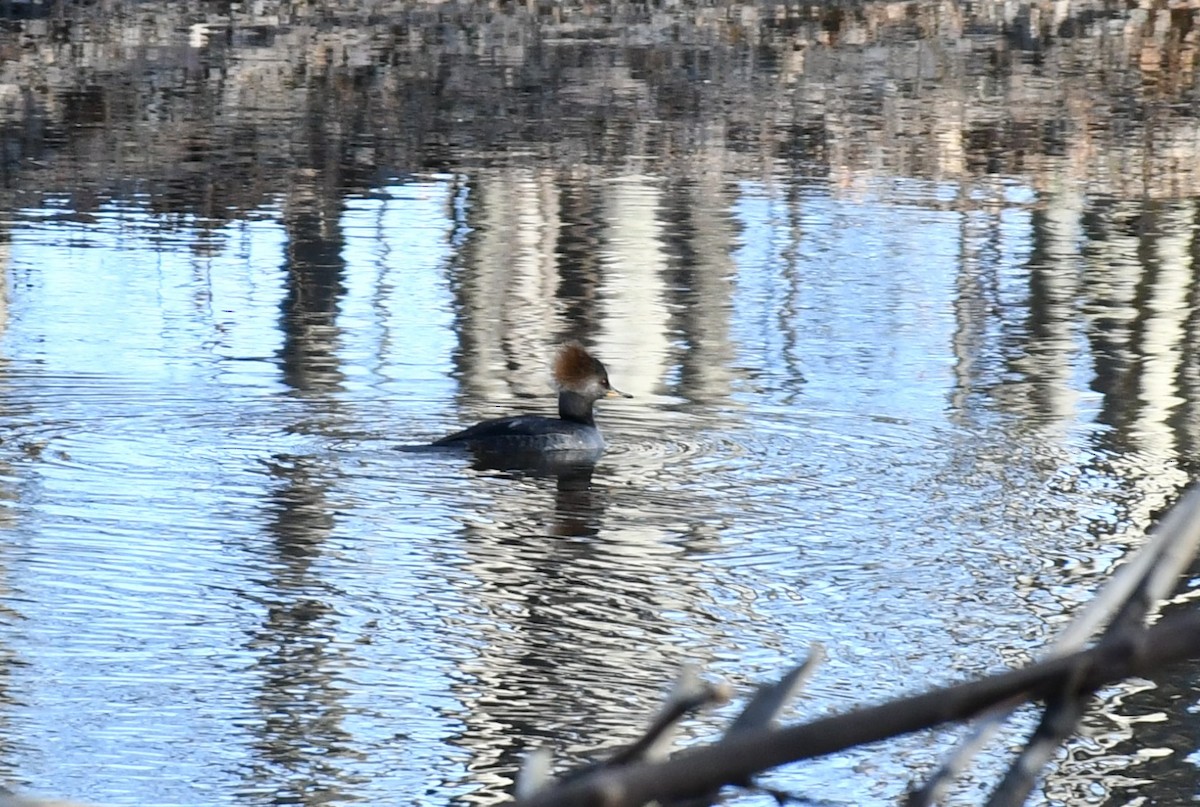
(224, 585)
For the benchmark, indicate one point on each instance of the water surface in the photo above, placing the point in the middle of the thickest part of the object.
(908, 313)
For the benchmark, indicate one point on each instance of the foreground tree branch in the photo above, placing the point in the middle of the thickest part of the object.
(739, 757)
(1124, 602)
(1065, 681)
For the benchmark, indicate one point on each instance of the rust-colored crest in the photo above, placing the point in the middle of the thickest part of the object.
(573, 365)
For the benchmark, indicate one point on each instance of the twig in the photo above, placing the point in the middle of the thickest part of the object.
(770, 699)
(1058, 722)
(760, 713)
(689, 695)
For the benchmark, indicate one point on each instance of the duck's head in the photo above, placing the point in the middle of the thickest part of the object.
(577, 371)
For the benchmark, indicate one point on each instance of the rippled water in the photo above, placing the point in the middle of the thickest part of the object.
(911, 411)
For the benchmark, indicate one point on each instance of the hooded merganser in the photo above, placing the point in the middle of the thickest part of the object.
(581, 380)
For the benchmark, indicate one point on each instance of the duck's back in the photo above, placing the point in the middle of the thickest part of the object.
(527, 433)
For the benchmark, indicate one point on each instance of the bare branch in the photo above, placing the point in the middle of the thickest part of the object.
(690, 694)
(738, 758)
(1132, 592)
(761, 712)
(770, 699)
(1058, 722)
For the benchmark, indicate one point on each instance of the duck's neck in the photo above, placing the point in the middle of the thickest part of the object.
(576, 408)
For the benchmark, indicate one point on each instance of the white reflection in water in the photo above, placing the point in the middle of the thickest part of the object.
(634, 307)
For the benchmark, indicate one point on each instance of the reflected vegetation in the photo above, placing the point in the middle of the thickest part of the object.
(300, 734)
(905, 293)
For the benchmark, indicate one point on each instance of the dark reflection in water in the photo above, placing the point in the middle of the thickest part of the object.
(314, 284)
(305, 748)
(905, 292)
(551, 570)
(300, 667)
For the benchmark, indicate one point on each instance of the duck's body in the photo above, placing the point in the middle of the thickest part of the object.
(582, 380)
(528, 433)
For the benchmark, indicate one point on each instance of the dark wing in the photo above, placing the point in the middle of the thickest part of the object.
(500, 428)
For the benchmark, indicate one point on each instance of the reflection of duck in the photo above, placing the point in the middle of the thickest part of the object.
(581, 380)
(572, 469)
